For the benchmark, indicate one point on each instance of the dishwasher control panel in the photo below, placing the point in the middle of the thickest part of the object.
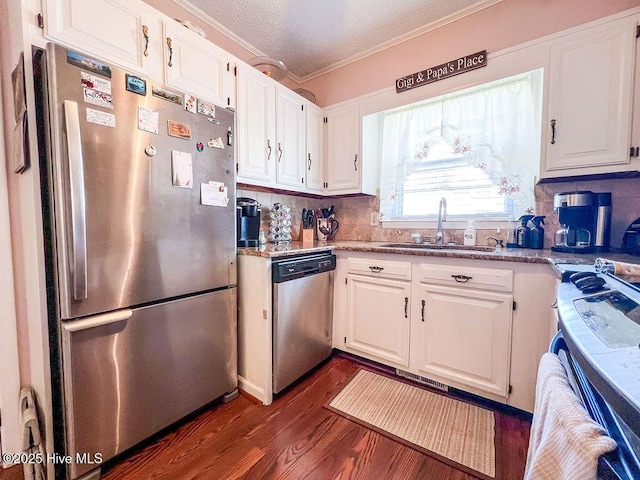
(286, 269)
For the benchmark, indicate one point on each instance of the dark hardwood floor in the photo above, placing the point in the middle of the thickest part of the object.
(13, 473)
(296, 438)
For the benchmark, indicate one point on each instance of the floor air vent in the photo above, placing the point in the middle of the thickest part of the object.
(423, 380)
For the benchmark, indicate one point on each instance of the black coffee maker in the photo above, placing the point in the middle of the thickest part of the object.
(247, 221)
(585, 222)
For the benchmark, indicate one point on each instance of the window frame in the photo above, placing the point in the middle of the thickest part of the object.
(501, 64)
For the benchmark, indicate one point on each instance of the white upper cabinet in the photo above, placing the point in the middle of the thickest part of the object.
(314, 161)
(273, 141)
(290, 138)
(344, 161)
(110, 29)
(133, 36)
(256, 127)
(194, 65)
(590, 101)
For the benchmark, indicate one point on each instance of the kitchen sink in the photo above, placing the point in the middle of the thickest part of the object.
(432, 246)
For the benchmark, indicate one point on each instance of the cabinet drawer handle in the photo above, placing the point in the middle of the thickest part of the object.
(309, 162)
(355, 163)
(553, 131)
(169, 44)
(268, 149)
(145, 33)
(423, 304)
(406, 307)
(376, 269)
(279, 152)
(461, 278)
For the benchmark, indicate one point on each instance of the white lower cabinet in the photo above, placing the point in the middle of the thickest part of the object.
(461, 327)
(462, 338)
(378, 318)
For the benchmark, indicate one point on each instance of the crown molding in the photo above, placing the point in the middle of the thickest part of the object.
(205, 17)
(465, 12)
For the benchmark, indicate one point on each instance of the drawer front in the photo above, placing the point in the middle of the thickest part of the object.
(471, 277)
(379, 268)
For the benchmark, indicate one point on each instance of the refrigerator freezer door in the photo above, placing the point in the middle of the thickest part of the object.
(125, 234)
(129, 374)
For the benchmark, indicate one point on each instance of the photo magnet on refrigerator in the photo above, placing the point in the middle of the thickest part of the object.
(136, 85)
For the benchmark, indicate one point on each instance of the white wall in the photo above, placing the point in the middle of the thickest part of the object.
(10, 431)
(17, 24)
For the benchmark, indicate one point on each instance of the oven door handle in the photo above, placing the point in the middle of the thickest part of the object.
(557, 343)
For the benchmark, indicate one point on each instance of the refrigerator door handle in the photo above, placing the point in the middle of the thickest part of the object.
(98, 320)
(76, 187)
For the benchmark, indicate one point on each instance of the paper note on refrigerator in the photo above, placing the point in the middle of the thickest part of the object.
(214, 194)
(181, 169)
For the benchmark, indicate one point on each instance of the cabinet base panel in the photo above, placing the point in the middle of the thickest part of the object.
(451, 391)
(423, 380)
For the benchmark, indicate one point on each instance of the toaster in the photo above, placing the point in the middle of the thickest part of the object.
(631, 238)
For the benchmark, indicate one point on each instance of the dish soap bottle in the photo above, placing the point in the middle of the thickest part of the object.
(522, 232)
(511, 234)
(536, 232)
(470, 234)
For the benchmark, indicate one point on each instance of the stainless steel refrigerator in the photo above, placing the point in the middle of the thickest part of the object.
(139, 200)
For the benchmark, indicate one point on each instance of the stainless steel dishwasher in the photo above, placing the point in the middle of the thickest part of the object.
(302, 315)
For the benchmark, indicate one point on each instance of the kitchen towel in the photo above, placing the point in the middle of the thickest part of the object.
(565, 442)
(457, 433)
(604, 265)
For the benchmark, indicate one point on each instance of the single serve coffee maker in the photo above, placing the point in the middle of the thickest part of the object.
(585, 222)
(247, 221)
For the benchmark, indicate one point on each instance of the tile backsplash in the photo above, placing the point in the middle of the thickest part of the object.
(353, 213)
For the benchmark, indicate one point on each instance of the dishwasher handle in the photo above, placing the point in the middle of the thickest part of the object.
(310, 271)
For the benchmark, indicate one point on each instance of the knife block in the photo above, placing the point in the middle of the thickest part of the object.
(307, 235)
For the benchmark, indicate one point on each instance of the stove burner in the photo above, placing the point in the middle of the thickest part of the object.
(589, 283)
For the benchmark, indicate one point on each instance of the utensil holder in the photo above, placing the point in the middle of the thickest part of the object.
(322, 228)
(307, 235)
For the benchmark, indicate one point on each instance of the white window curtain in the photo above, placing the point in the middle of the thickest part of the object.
(478, 147)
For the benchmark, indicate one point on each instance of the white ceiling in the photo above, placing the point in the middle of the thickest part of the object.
(313, 36)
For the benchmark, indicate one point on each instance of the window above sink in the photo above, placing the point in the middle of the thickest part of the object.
(478, 147)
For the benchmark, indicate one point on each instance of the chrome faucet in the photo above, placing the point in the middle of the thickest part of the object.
(442, 216)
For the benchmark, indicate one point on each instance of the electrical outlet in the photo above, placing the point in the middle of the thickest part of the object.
(373, 219)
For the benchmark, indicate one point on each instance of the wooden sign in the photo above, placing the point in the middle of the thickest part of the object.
(446, 70)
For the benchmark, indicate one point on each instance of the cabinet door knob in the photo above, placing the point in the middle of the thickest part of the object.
(355, 163)
(279, 151)
(268, 149)
(145, 33)
(553, 131)
(423, 304)
(309, 162)
(376, 269)
(406, 307)
(169, 44)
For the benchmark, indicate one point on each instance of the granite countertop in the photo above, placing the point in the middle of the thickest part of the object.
(526, 255)
(274, 250)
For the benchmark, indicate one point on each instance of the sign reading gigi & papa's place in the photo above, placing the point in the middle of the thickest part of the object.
(440, 72)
